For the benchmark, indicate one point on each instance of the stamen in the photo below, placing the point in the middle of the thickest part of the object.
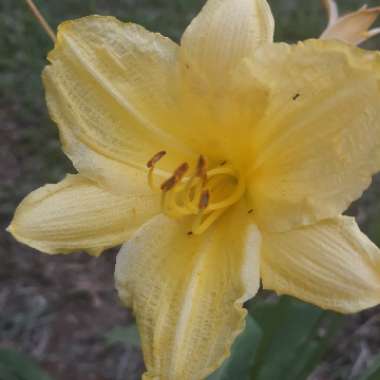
(193, 195)
(169, 196)
(41, 19)
(168, 184)
(221, 170)
(200, 226)
(204, 200)
(169, 205)
(181, 171)
(157, 157)
(201, 171)
(233, 198)
(194, 186)
(175, 178)
(151, 165)
(186, 196)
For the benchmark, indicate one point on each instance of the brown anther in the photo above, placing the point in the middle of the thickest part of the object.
(181, 171)
(204, 200)
(223, 163)
(169, 184)
(175, 178)
(201, 164)
(250, 211)
(157, 157)
(190, 233)
(201, 170)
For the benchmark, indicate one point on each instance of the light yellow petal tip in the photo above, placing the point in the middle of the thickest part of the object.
(77, 215)
(10, 229)
(331, 264)
(19, 236)
(352, 28)
(68, 25)
(225, 32)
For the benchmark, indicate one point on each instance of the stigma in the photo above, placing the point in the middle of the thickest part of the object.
(200, 192)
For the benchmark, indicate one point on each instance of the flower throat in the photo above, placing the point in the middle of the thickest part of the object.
(202, 193)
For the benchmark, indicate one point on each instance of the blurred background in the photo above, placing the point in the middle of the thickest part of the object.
(60, 317)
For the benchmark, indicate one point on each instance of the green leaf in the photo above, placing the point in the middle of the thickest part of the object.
(126, 335)
(374, 231)
(16, 366)
(310, 354)
(373, 372)
(239, 364)
(296, 335)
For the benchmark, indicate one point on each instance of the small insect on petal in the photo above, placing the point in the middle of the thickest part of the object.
(296, 96)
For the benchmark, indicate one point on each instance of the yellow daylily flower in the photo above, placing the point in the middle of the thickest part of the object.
(223, 160)
(352, 28)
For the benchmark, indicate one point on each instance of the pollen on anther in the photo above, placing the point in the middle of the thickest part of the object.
(169, 184)
(157, 157)
(181, 171)
(204, 200)
(175, 178)
(201, 170)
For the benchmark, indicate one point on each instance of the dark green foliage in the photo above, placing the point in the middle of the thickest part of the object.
(126, 335)
(239, 365)
(296, 335)
(373, 372)
(15, 366)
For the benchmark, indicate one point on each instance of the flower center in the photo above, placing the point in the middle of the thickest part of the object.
(202, 193)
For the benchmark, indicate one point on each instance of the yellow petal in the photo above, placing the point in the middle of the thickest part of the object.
(318, 145)
(116, 177)
(111, 84)
(223, 120)
(330, 264)
(187, 291)
(222, 106)
(352, 28)
(76, 214)
(223, 33)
